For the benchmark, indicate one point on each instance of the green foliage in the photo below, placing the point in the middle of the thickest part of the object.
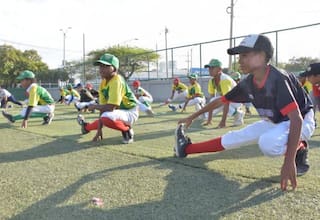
(298, 64)
(131, 59)
(13, 61)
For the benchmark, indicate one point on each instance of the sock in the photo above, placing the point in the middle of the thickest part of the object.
(117, 124)
(213, 145)
(33, 115)
(302, 145)
(92, 126)
(146, 104)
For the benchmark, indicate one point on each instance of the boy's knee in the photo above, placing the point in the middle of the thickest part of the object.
(270, 148)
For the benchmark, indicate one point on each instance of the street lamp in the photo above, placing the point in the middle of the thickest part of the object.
(230, 11)
(166, 45)
(64, 31)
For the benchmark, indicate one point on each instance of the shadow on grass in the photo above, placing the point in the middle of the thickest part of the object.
(60, 145)
(190, 193)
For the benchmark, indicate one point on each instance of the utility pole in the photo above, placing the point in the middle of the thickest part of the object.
(166, 46)
(64, 32)
(230, 11)
(84, 57)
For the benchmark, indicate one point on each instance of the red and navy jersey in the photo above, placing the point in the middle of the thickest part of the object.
(275, 98)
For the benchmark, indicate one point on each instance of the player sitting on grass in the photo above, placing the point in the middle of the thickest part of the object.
(117, 104)
(286, 111)
(144, 98)
(40, 102)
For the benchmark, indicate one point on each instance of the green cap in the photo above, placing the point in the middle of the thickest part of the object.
(235, 75)
(193, 76)
(27, 74)
(109, 60)
(213, 63)
(69, 86)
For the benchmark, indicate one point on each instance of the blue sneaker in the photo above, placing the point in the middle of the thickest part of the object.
(172, 107)
(182, 141)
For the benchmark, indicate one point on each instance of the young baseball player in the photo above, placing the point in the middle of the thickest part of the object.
(287, 117)
(40, 102)
(63, 93)
(72, 95)
(195, 96)
(5, 97)
(179, 91)
(219, 85)
(86, 98)
(117, 103)
(144, 98)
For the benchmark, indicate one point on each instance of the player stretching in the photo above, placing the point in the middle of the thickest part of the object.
(40, 102)
(117, 104)
(286, 111)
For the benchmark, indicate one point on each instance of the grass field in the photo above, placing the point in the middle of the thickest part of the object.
(53, 172)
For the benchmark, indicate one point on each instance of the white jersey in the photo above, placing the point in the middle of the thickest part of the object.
(4, 93)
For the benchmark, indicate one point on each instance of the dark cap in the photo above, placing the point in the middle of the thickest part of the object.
(253, 42)
(313, 69)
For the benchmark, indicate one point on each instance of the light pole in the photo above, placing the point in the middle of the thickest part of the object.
(230, 11)
(64, 31)
(166, 46)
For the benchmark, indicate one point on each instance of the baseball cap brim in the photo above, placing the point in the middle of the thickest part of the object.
(239, 50)
(98, 62)
(20, 77)
(303, 74)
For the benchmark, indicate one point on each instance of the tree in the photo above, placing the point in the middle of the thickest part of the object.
(298, 64)
(13, 61)
(132, 59)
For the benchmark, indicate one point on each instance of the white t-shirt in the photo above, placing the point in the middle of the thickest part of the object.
(4, 93)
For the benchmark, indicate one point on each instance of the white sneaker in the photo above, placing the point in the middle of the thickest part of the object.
(238, 118)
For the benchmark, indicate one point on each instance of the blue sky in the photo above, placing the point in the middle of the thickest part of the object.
(35, 24)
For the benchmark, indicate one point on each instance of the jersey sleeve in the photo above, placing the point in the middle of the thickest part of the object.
(226, 86)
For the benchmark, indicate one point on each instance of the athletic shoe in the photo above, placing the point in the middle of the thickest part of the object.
(172, 107)
(182, 141)
(128, 136)
(302, 159)
(8, 116)
(75, 105)
(82, 123)
(238, 118)
(150, 113)
(48, 119)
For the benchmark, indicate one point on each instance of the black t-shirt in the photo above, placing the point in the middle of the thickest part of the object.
(280, 93)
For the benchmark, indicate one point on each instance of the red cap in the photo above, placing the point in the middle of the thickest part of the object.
(176, 80)
(136, 83)
(89, 86)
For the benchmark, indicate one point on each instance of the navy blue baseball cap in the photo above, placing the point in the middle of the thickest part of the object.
(78, 85)
(313, 69)
(253, 42)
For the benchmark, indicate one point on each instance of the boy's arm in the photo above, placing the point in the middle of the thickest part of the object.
(288, 170)
(209, 107)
